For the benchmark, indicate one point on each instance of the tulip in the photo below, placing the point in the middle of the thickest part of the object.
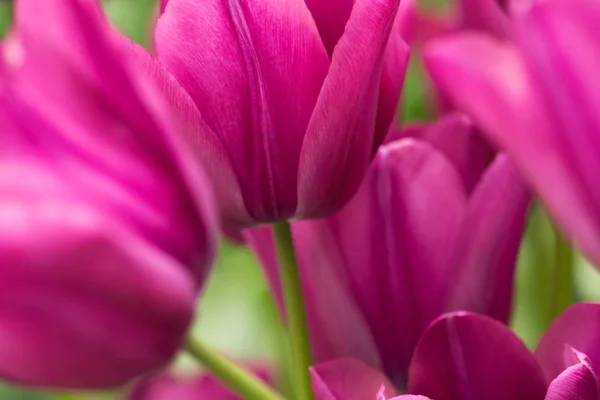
(410, 245)
(537, 99)
(292, 110)
(463, 355)
(107, 229)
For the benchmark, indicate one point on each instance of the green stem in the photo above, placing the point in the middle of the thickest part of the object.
(563, 274)
(235, 377)
(295, 312)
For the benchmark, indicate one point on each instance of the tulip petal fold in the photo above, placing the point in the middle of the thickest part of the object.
(468, 356)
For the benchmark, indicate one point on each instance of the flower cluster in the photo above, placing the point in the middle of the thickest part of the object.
(390, 249)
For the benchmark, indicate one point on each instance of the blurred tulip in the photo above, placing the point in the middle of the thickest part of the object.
(410, 245)
(468, 356)
(539, 101)
(169, 387)
(107, 229)
(293, 104)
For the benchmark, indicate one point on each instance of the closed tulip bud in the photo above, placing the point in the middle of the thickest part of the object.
(294, 97)
(106, 227)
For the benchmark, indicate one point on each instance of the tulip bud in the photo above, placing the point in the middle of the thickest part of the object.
(292, 109)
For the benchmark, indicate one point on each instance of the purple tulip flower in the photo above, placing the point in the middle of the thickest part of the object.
(538, 99)
(465, 356)
(412, 244)
(107, 228)
(294, 97)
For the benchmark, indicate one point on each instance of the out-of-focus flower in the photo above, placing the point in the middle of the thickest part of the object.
(410, 245)
(464, 355)
(170, 387)
(294, 97)
(537, 98)
(106, 227)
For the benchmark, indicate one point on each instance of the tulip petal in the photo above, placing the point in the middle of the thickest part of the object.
(579, 327)
(392, 80)
(487, 79)
(349, 379)
(556, 38)
(163, 5)
(236, 60)
(455, 136)
(72, 41)
(485, 15)
(469, 356)
(196, 133)
(486, 249)
(577, 382)
(331, 17)
(73, 316)
(337, 148)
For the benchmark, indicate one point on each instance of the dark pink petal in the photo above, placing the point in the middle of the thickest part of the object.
(337, 147)
(195, 132)
(486, 249)
(488, 80)
(348, 379)
(331, 17)
(456, 137)
(486, 16)
(560, 44)
(392, 81)
(389, 249)
(577, 382)
(107, 226)
(163, 5)
(80, 293)
(578, 327)
(254, 70)
(469, 356)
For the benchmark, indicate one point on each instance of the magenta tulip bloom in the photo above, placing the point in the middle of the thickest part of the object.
(410, 245)
(468, 356)
(294, 97)
(106, 227)
(463, 355)
(538, 100)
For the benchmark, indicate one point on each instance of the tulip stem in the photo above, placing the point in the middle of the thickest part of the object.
(563, 274)
(239, 380)
(295, 312)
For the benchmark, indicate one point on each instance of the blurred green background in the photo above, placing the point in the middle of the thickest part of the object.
(236, 313)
